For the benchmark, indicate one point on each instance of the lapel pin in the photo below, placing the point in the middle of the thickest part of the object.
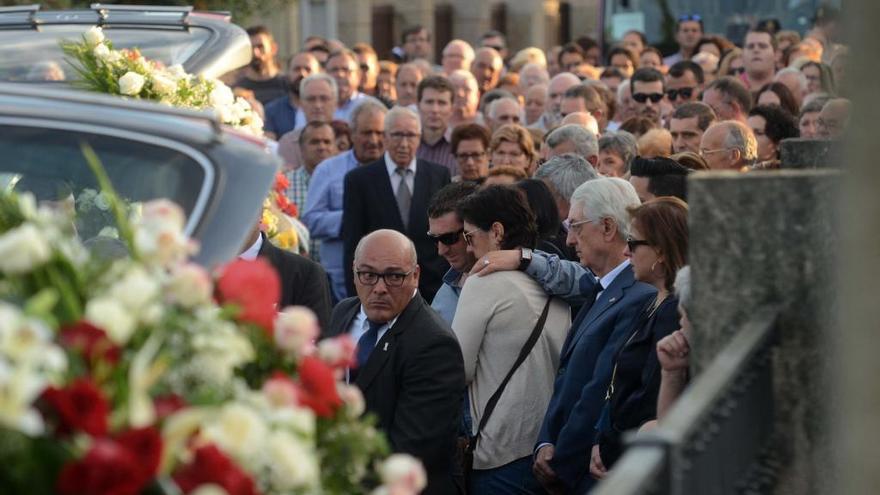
(385, 348)
(612, 299)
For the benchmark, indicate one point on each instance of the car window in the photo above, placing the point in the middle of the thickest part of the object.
(50, 163)
(31, 55)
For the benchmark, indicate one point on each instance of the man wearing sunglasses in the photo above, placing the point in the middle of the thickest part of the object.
(688, 31)
(648, 91)
(447, 230)
(684, 83)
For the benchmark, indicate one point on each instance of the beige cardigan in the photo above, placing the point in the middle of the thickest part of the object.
(494, 318)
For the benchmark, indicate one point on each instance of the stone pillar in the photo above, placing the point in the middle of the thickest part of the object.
(857, 426)
(769, 239)
(585, 18)
(412, 12)
(355, 19)
(532, 23)
(471, 20)
(808, 153)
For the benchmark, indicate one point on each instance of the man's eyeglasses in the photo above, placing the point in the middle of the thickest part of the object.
(400, 136)
(468, 239)
(569, 226)
(448, 238)
(394, 279)
(704, 152)
(632, 244)
(685, 93)
(643, 97)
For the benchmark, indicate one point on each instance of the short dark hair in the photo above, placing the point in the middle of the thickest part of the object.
(612, 72)
(652, 49)
(570, 47)
(638, 33)
(315, 124)
(786, 98)
(637, 126)
(258, 29)
(732, 89)
(586, 43)
(779, 124)
(418, 28)
(466, 132)
(588, 94)
(618, 50)
(449, 197)
(760, 29)
(646, 74)
(543, 205)
(704, 113)
(493, 34)
(666, 177)
(679, 68)
(507, 206)
(437, 83)
(345, 52)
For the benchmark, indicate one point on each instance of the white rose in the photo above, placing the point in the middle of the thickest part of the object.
(300, 420)
(221, 95)
(403, 473)
(131, 83)
(163, 85)
(26, 341)
(22, 249)
(110, 315)
(190, 286)
(94, 35)
(209, 489)
(114, 57)
(352, 397)
(294, 464)
(176, 71)
(136, 289)
(101, 52)
(296, 329)
(238, 430)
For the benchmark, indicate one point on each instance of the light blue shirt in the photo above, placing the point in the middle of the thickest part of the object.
(446, 299)
(323, 214)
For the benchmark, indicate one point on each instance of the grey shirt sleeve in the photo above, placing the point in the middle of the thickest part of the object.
(560, 278)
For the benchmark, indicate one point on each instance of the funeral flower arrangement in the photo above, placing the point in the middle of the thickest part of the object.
(278, 219)
(128, 73)
(147, 374)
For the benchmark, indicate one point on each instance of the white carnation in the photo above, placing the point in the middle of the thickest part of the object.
(221, 95)
(94, 35)
(238, 430)
(136, 289)
(131, 83)
(101, 52)
(403, 473)
(163, 85)
(22, 249)
(190, 286)
(110, 315)
(293, 465)
(176, 71)
(296, 329)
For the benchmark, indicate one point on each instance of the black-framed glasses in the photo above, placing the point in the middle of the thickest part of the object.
(448, 238)
(685, 93)
(393, 279)
(632, 244)
(467, 237)
(463, 157)
(643, 97)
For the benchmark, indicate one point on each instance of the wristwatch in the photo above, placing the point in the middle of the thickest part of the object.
(525, 257)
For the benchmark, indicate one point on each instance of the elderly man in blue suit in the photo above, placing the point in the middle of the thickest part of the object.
(612, 299)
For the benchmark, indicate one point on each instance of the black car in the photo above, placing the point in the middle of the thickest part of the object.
(218, 175)
(204, 43)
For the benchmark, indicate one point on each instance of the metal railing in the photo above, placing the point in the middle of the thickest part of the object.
(716, 436)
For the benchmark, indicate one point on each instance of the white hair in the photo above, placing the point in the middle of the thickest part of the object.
(739, 137)
(368, 107)
(566, 172)
(494, 105)
(321, 76)
(398, 112)
(801, 78)
(606, 197)
(683, 287)
(585, 142)
(468, 49)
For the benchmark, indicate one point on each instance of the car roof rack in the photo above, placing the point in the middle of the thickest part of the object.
(210, 116)
(19, 14)
(163, 13)
(100, 14)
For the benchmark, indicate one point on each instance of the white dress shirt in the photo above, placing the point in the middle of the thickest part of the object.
(250, 254)
(395, 177)
(610, 276)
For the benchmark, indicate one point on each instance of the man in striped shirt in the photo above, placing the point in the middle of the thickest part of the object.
(435, 96)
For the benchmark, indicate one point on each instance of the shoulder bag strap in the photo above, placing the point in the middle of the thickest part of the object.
(527, 348)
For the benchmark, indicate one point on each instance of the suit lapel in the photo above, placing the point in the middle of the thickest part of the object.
(610, 296)
(387, 345)
(344, 324)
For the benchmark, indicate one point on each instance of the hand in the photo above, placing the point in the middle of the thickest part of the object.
(497, 261)
(542, 468)
(597, 469)
(673, 351)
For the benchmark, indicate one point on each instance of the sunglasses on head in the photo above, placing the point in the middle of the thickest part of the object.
(448, 238)
(643, 97)
(689, 17)
(685, 93)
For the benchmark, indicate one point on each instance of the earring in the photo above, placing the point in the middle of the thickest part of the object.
(653, 266)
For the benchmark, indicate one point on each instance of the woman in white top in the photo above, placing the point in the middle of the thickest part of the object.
(495, 316)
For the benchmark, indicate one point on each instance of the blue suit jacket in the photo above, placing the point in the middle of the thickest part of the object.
(584, 372)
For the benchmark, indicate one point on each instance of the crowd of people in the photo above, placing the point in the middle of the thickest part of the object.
(505, 235)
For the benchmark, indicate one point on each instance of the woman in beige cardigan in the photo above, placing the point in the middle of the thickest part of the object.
(495, 316)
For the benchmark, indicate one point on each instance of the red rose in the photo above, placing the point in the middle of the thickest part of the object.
(166, 405)
(318, 387)
(282, 202)
(108, 468)
(211, 465)
(254, 287)
(145, 445)
(90, 341)
(281, 183)
(291, 209)
(78, 407)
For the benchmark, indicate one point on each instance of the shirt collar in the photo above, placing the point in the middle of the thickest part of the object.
(392, 166)
(610, 276)
(362, 315)
(452, 277)
(251, 253)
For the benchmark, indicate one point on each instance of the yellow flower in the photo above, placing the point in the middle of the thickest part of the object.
(286, 239)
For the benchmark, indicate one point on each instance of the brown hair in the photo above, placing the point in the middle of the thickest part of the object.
(466, 132)
(515, 134)
(663, 222)
(515, 172)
